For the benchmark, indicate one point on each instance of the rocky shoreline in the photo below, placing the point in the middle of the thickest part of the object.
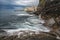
(30, 35)
(51, 15)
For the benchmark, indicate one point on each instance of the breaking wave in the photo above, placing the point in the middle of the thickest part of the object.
(27, 25)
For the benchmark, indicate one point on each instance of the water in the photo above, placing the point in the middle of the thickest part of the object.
(13, 21)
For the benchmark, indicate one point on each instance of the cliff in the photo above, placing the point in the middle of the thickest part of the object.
(49, 10)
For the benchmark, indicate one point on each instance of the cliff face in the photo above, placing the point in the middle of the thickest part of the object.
(50, 9)
(47, 4)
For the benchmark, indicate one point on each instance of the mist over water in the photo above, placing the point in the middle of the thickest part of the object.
(13, 21)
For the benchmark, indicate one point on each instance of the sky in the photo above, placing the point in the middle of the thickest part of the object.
(20, 2)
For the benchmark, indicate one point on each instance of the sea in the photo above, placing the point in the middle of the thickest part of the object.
(12, 21)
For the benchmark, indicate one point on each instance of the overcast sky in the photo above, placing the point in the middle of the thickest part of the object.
(20, 2)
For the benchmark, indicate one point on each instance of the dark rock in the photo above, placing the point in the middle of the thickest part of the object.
(50, 9)
(40, 36)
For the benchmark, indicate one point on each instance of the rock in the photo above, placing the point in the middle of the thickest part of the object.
(28, 36)
(41, 36)
(49, 22)
(50, 13)
(3, 33)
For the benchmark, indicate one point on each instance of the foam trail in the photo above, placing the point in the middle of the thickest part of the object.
(23, 15)
(31, 24)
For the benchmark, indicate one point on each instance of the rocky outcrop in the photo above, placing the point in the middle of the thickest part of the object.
(40, 36)
(49, 10)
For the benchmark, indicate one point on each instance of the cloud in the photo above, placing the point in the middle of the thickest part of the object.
(23, 2)
(6, 2)
(26, 2)
(19, 2)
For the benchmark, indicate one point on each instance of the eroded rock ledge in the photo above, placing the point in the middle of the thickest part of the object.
(31, 35)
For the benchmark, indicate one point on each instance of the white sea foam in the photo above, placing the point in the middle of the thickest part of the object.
(23, 15)
(28, 29)
(30, 26)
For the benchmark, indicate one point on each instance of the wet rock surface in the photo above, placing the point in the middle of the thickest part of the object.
(40, 36)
